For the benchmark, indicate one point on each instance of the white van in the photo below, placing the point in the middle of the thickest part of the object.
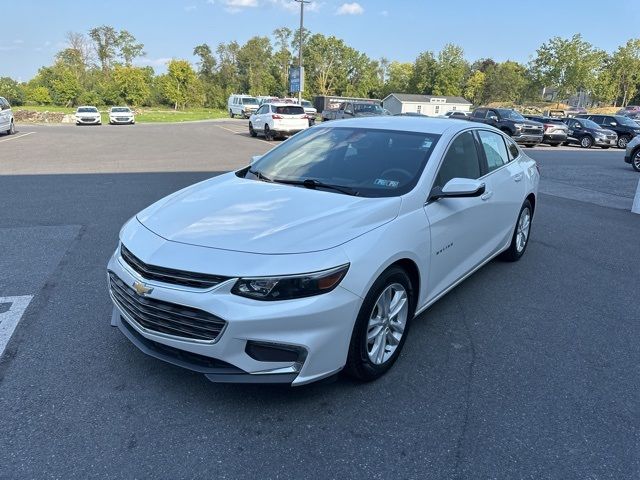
(6, 118)
(242, 105)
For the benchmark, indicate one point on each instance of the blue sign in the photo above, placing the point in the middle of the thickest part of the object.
(296, 79)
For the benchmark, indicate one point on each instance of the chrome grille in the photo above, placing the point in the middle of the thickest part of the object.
(170, 275)
(165, 317)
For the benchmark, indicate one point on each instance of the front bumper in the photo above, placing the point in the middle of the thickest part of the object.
(611, 142)
(88, 121)
(527, 139)
(319, 326)
(554, 137)
(123, 120)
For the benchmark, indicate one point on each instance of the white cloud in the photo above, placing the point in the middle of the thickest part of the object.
(153, 62)
(350, 9)
(236, 6)
(190, 8)
(292, 6)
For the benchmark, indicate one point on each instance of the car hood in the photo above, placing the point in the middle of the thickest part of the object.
(232, 213)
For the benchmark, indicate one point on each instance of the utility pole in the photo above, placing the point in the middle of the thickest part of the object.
(301, 2)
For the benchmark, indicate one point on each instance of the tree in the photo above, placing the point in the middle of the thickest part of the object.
(282, 59)
(105, 39)
(474, 89)
(569, 65)
(625, 67)
(399, 77)
(505, 82)
(12, 91)
(132, 84)
(207, 63)
(65, 87)
(254, 59)
(38, 95)
(424, 73)
(181, 86)
(128, 47)
(451, 70)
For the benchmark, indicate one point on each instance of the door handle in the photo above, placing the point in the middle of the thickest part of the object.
(517, 177)
(486, 196)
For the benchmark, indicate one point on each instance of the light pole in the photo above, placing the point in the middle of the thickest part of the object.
(301, 2)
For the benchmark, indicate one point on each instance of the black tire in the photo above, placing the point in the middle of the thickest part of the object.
(554, 144)
(566, 144)
(513, 253)
(623, 140)
(252, 132)
(231, 113)
(268, 136)
(586, 141)
(635, 160)
(359, 365)
(529, 145)
(605, 148)
(12, 128)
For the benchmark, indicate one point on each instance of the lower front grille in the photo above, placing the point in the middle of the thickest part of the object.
(165, 317)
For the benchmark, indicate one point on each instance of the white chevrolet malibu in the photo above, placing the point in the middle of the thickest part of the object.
(121, 115)
(317, 256)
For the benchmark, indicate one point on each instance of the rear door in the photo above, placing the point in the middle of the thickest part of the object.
(4, 115)
(292, 117)
(461, 228)
(505, 188)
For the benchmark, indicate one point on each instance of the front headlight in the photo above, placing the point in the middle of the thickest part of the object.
(290, 286)
(601, 134)
(518, 125)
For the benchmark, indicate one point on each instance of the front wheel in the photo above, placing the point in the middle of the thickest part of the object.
(554, 144)
(520, 238)
(12, 129)
(635, 163)
(252, 132)
(586, 142)
(231, 113)
(382, 325)
(622, 141)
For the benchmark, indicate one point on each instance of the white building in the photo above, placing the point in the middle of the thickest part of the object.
(431, 105)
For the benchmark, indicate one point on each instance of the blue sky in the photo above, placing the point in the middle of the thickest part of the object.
(396, 29)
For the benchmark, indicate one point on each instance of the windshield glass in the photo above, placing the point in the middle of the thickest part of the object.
(249, 101)
(120, 109)
(589, 124)
(626, 121)
(87, 110)
(367, 108)
(511, 114)
(306, 103)
(375, 163)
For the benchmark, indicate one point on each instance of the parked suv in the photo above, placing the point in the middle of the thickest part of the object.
(242, 105)
(523, 131)
(6, 117)
(554, 130)
(278, 120)
(624, 127)
(586, 133)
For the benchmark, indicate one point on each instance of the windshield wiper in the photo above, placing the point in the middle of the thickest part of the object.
(260, 176)
(313, 184)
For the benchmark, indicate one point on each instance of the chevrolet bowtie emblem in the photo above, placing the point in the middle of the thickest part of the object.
(141, 289)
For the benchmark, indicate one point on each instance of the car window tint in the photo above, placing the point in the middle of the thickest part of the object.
(460, 161)
(290, 110)
(494, 149)
(513, 149)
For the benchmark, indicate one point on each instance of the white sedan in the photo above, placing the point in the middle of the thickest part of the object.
(319, 254)
(88, 115)
(121, 115)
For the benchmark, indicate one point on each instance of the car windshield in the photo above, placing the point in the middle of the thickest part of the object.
(626, 121)
(589, 124)
(367, 108)
(511, 115)
(249, 101)
(371, 162)
(87, 110)
(290, 110)
(120, 110)
(306, 103)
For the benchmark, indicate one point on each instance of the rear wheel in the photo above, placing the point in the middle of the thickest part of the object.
(520, 238)
(252, 132)
(268, 136)
(12, 128)
(231, 113)
(622, 141)
(635, 162)
(382, 325)
(586, 142)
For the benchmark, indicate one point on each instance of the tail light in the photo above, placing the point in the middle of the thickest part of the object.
(547, 126)
(277, 117)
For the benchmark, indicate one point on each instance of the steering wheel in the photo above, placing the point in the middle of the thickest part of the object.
(395, 172)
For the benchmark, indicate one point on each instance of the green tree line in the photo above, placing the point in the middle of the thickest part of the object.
(99, 68)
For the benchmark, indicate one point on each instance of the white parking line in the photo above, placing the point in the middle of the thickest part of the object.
(15, 137)
(9, 319)
(244, 132)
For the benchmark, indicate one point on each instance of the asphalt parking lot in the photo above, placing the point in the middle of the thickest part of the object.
(528, 370)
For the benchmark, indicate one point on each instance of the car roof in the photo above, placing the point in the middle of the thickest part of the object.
(411, 123)
(87, 106)
(284, 104)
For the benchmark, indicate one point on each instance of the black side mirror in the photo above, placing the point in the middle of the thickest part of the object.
(458, 188)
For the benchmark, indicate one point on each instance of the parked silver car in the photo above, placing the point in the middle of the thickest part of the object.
(6, 117)
(632, 153)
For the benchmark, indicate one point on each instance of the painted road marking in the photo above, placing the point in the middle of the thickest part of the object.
(15, 137)
(9, 318)
(243, 132)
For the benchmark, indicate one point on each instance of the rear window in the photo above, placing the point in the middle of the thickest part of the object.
(290, 110)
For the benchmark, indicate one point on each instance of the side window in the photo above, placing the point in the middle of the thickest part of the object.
(494, 149)
(460, 161)
(479, 113)
(513, 149)
(609, 121)
(599, 119)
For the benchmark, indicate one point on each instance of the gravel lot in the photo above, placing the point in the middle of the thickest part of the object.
(527, 370)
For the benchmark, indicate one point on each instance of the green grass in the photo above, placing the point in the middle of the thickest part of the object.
(143, 115)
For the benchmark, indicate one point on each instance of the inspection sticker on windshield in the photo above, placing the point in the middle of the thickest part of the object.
(386, 183)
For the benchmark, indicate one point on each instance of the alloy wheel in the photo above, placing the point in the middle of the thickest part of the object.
(622, 142)
(387, 323)
(524, 225)
(585, 142)
(635, 163)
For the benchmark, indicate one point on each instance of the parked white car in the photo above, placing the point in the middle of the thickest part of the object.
(278, 120)
(6, 117)
(242, 105)
(121, 115)
(88, 115)
(310, 110)
(319, 255)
